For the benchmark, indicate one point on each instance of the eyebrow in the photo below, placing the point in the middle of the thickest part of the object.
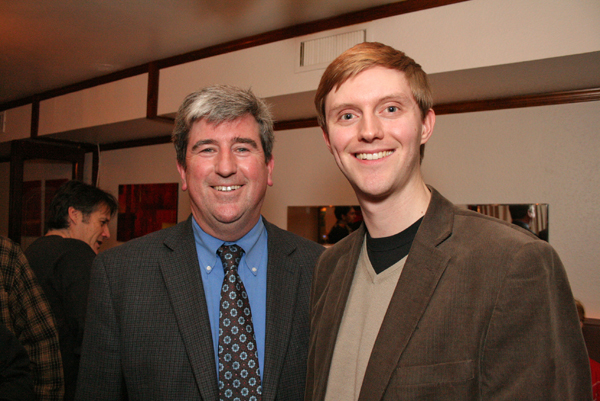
(202, 143)
(238, 139)
(247, 141)
(400, 97)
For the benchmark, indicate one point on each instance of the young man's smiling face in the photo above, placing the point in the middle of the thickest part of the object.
(226, 175)
(375, 130)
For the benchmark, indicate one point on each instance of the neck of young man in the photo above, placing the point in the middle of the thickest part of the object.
(396, 212)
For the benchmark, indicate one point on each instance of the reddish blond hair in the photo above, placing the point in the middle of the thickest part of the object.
(367, 55)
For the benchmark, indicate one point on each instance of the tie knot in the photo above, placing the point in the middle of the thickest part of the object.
(230, 256)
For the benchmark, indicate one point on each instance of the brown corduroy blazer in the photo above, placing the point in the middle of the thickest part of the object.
(482, 311)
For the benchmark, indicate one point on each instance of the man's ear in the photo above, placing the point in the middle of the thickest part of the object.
(327, 141)
(270, 166)
(181, 170)
(75, 216)
(428, 123)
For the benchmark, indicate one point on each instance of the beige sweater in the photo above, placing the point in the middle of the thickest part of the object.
(367, 304)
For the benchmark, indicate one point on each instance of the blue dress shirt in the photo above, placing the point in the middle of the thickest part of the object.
(252, 271)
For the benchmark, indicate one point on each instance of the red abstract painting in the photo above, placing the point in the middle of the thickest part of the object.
(145, 208)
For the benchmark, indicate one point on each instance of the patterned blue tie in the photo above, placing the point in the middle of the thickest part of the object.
(239, 373)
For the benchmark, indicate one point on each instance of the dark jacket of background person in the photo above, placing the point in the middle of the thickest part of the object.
(337, 232)
(16, 383)
(62, 267)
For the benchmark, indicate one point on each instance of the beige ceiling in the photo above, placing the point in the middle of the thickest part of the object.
(50, 44)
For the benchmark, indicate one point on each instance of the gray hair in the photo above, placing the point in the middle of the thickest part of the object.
(217, 104)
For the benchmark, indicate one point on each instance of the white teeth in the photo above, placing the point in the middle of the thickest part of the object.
(227, 189)
(373, 156)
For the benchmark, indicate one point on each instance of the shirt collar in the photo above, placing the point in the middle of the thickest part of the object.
(207, 247)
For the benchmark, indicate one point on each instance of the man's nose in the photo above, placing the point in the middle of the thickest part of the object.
(370, 129)
(106, 232)
(226, 164)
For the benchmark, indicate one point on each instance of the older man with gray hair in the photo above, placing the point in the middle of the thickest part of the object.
(217, 306)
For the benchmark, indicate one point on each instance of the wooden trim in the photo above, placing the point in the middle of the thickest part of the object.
(296, 124)
(546, 99)
(153, 82)
(15, 197)
(35, 117)
(166, 120)
(136, 143)
(513, 102)
(95, 166)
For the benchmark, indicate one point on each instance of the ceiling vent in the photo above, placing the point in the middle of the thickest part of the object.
(318, 53)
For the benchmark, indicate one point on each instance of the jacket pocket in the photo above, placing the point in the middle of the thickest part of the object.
(452, 372)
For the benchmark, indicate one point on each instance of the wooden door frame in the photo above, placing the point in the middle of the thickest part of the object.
(31, 149)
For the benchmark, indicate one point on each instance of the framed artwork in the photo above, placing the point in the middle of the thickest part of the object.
(145, 208)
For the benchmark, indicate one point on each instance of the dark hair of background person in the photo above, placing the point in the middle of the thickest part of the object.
(518, 211)
(580, 310)
(340, 211)
(83, 197)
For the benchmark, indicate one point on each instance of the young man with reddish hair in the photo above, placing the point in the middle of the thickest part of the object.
(426, 300)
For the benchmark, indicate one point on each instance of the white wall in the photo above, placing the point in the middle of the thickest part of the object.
(18, 123)
(542, 154)
(305, 174)
(117, 101)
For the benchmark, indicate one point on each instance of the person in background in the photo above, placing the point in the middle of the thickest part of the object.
(25, 311)
(345, 216)
(16, 383)
(215, 307)
(522, 215)
(427, 301)
(594, 366)
(77, 224)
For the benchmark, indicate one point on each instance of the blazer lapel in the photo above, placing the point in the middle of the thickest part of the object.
(181, 273)
(424, 267)
(282, 287)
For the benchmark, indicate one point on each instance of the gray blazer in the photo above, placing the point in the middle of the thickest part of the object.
(482, 311)
(147, 335)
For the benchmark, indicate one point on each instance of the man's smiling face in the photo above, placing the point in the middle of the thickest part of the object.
(226, 176)
(375, 130)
